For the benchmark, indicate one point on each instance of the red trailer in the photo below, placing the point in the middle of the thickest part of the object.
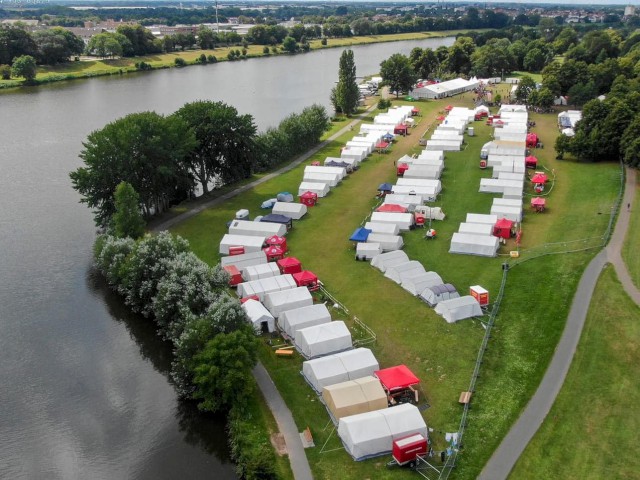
(235, 277)
(289, 265)
(405, 450)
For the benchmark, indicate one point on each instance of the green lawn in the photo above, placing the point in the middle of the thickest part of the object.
(629, 253)
(442, 355)
(591, 431)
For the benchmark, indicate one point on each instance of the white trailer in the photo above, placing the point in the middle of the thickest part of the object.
(422, 172)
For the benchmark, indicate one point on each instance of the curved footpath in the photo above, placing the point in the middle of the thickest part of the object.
(282, 414)
(512, 446)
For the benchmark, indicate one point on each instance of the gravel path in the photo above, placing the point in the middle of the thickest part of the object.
(512, 446)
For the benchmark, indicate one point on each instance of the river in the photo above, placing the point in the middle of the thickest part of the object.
(85, 391)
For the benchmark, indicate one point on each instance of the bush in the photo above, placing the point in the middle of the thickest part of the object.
(384, 104)
(266, 50)
(143, 66)
(305, 47)
(212, 59)
(202, 58)
(244, 52)
(180, 62)
(249, 448)
(5, 72)
(323, 41)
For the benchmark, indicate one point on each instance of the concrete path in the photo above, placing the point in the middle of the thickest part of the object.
(286, 424)
(512, 446)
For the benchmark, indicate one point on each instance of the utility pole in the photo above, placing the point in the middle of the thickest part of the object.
(217, 22)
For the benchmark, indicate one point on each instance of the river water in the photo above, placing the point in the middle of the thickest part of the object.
(84, 386)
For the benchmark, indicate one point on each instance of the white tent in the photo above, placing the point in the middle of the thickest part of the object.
(422, 172)
(497, 185)
(341, 171)
(259, 316)
(470, 244)
(339, 367)
(353, 397)
(265, 286)
(437, 293)
(386, 228)
(394, 272)
(290, 209)
(429, 194)
(387, 242)
(366, 251)
(320, 189)
(352, 162)
(519, 176)
(372, 433)
(250, 243)
(256, 272)
(403, 220)
(331, 179)
(443, 145)
(324, 339)
(415, 285)
(420, 182)
(257, 229)
(476, 228)
(281, 301)
(427, 162)
(368, 146)
(482, 218)
(498, 170)
(446, 135)
(508, 202)
(296, 319)
(245, 259)
(406, 200)
(433, 213)
(431, 155)
(356, 153)
(512, 193)
(453, 125)
(512, 108)
(512, 213)
(388, 259)
(458, 308)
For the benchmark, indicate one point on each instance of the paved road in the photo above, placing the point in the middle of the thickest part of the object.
(284, 419)
(512, 446)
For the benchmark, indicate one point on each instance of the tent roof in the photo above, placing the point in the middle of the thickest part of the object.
(309, 195)
(538, 201)
(398, 377)
(288, 262)
(256, 310)
(360, 235)
(305, 276)
(504, 223)
(391, 207)
(385, 187)
(276, 218)
(275, 240)
(273, 250)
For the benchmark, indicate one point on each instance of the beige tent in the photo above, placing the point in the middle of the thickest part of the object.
(353, 397)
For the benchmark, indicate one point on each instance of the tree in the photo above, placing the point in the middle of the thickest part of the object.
(127, 219)
(205, 38)
(493, 59)
(459, 58)
(222, 370)
(534, 60)
(346, 91)
(56, 45)
(525, 87)
(24, 66)
(225, 142)
(396, 71)
(145, 149)
(140, 40)
(106, 45)
(15, 42)
(289, 45)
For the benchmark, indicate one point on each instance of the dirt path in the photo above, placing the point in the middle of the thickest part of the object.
(514, 443)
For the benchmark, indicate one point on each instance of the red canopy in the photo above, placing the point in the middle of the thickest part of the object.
(309, 199)
(448, 108)
(273, 252)
(289, 265)
(539, 177)
(396, 378)
(531, 161)
(440, 118)
(277, 241)
(504, 223)
(305, 278)
(309, 195)
(382, 145)
(538, 202)
(251, 297)
(400, 129)
(415, 111)
(502, 228)
(391, 208)
(532, 140)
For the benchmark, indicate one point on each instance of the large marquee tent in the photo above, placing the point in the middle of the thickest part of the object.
(353, 397)
(259, 316)
(472, 244)
(249, 243)
(293, 210)
(456, 309)
(262, 287)
(339, 367)
(296, 319)
(256, 229)
(437, 293)
(281, 301)
(323, 339)
(384, 260)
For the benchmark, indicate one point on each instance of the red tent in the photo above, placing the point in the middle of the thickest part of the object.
(277, 241)
(502, 228)
(308, 279)
(538, 204)
(539, 177)
(400, 129)
(250, 297)
(402, 167)
(289, 265)
(274, 253)
(391, 208)
(531, 162)
(414, 111)
(396, 378)
(448, 108)
(440, 118)
(382, 147)
(532, 140)
(309, 199)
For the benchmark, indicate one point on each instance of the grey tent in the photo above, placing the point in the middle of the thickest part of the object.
(437, 293)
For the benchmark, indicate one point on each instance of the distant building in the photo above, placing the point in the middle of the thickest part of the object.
(629, 11)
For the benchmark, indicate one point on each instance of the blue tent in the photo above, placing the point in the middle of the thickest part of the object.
(388, 137)
(268, 203)
(385, 187)
(284, 197)
(276, 218)
(360, 235)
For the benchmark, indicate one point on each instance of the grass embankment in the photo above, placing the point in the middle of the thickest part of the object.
(442, 355)
(629, 250)
(102, 67)
(591, 430)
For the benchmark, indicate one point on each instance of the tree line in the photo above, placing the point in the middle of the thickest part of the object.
(202, 144)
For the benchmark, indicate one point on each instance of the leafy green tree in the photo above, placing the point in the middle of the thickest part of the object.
(225, 142)
(346, 93)
(106, 45)
(459, 58)
(140, 40)
(525, 87)
(15, 42)
(5, 72)
(222, 371)
(396, 71)
(205, 38)
(581, 93)
(127, 219)
(534, 60)
(493, 59)
(24, 66)
(145, 149)
(565, 39)
(111, 254)
(289, 45)
(56, 45)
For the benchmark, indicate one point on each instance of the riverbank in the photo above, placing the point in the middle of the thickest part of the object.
(407, 331)
(123, 66)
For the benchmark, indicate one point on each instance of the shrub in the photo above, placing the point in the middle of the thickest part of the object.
(266, 50)
(202, 58)
(5, 72)
(180, 62)
(143, 66)
(212, 59)
(244, 52)
(384, 104)
(323, 41)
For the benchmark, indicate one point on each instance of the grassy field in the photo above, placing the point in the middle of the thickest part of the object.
(591, 430)
(101, 67)
(629, 253)
(442, 355)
